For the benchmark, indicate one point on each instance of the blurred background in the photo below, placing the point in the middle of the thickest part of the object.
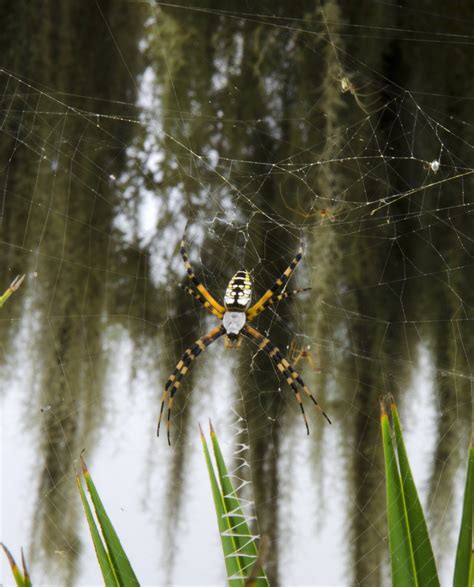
(347, 126)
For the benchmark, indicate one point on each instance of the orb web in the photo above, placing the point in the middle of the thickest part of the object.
(282, 133)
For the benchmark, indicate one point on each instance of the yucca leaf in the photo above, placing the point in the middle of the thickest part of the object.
(401, 551)
(26, 577)
(121, 565)
(19, 580)
(425, 564)
(104, 562)
(243, 538)
(464, 567)
(232, 563)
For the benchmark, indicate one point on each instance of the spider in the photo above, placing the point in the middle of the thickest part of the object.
(235, 316)
(296, 354)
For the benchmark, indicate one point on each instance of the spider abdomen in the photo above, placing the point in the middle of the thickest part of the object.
(239, 292)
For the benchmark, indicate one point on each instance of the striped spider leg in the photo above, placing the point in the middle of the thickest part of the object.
(284, 367)
(274, 299)
(281, 362)
(200, 298)
(264, 301)
(197, 284)
(174, 380)
(207, 300)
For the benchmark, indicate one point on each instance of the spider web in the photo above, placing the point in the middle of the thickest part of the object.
(313, 125)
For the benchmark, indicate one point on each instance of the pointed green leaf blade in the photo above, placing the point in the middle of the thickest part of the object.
(20, 582)
(401, 553)
(101, 553)
(464, 567)
(121, 565)
(243, 538)
(425, 564)
(234, 572)
(26, 576)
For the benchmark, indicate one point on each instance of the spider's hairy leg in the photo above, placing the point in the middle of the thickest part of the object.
(199, 286)
(279, 283)
(200, 298)
(174, 381)
(284, 367)
(296, 377)
(274, 299)
(268, 348)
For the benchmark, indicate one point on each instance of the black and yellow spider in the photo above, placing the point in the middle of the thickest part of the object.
(235, 316)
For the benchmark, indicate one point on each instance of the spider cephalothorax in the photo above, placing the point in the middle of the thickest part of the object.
(235, 316)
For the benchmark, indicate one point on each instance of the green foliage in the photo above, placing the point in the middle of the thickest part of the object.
(114, 564)
(240, 554)
(464, 569)
(411, 554)
(22, 579)
(105, 564)
(422, 551)
(244, 543)
(401, 548)
(242, 561)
